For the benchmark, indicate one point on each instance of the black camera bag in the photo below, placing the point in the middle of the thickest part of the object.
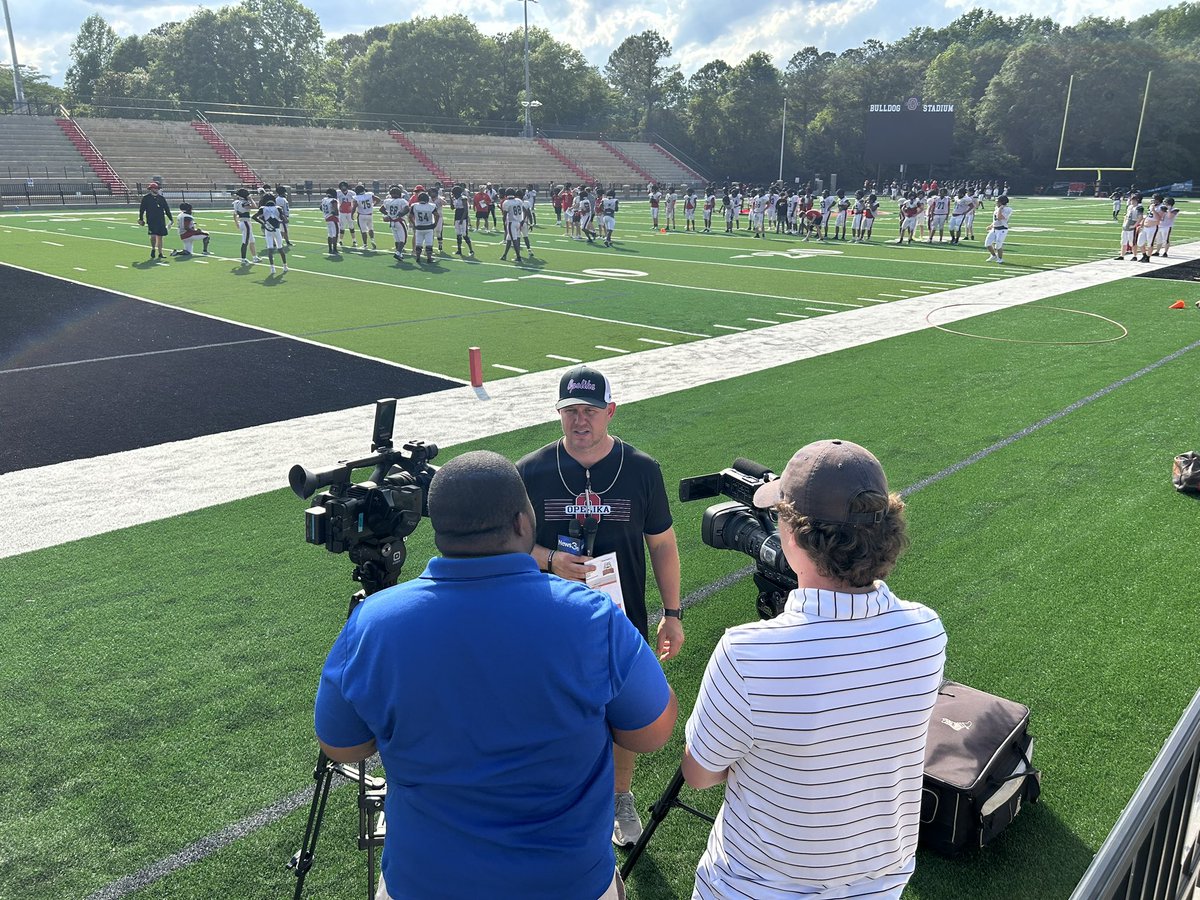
(978, 768)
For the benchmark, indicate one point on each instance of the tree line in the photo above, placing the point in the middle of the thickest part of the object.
(1006, 76)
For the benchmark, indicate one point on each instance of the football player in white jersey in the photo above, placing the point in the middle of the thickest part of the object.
(189, 231)
(672, 198)
(710, 204)
(689, 210)
(839, 216)
(587, 212)
(1129, 228)
(655, 197)
(242, 208)
(940, 208)
(1149, 231)
(994, 242)
(285, 209)
(513, 211)
(395, 213)
(609, 207)
(364, 211)
(1167, 222)
(329, 210)
(828, 202)
(345, 198)
(963, 204)
(438, 198)
(460, 203)
(269, 218)
(529, 201)
(425, 216)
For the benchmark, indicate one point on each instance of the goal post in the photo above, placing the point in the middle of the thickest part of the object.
(1101, 169)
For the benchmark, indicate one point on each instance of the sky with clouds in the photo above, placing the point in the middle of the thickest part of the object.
(699, 30)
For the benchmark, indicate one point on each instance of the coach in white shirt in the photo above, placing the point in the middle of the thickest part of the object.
(816, 720)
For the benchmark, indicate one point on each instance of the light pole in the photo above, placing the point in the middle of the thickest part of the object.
(527, 103)
(19, 93)
(782, 135)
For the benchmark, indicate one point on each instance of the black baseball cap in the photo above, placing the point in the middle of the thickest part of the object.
(584, 385)
(823, 478)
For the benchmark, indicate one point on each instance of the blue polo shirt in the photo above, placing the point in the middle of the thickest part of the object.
(490, 688)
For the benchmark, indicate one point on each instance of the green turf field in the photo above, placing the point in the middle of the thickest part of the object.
(159, 679)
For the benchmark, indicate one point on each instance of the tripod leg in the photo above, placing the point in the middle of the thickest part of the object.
(303, 860)
(658, 812)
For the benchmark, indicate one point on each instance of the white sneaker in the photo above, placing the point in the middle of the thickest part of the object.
(285, 268)
(627, 826)
(272, 270)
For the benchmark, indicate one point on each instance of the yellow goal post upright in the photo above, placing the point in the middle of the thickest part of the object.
(1100, 170)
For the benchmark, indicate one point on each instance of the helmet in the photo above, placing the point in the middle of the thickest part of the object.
(330, 192)
(243, 193)
(185, 207)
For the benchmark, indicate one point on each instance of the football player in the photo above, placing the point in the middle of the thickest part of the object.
(994, 242)
(364, 210)
(285, 209)
(345, 198)
(608, 209)
(329, 209)
(513, 211)
(188, 231)
(242, 207)
(269, 218)
(655, 197)
(461, 206)
(586, 212)
(1165, 225)
(425, 217)
(395, 213)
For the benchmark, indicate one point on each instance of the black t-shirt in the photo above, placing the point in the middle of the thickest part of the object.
(628, 497)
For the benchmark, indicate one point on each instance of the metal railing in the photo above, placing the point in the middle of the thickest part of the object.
(1154, 849)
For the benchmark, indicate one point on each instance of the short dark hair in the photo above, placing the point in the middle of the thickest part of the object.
(473, 500)
(855, 554)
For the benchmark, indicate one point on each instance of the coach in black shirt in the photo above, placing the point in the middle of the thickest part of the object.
(155, 213)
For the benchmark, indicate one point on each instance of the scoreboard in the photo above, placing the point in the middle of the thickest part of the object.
(909, 132)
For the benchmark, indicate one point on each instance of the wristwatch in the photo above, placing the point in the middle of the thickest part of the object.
(673, 613)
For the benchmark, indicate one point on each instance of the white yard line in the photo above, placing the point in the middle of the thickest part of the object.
(569, 359)
(510, 369)
(611, 349)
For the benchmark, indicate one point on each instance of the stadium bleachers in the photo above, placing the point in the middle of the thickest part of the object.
(141, 150)
(597, 161)
(35, 147)
(325, 156)
(664, 168)
(482, 158)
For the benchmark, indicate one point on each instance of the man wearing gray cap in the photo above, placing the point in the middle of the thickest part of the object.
(594, 494)
(494, 731)
(816, 720)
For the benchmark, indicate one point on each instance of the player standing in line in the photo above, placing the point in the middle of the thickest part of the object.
(1130, 226)
(269, 218)
(870, 208)
(530, 200)
(395, 213)
(689, 210)
(910, 213)
(556, 199)
(585, 214)
(856, 214)
(608, 208)
(438, 198)
(285, 210)
(345, 198)
(189, 231)
(242, 207)
(839, 216)
(727, 211)
(494, 196)
(994, 242)
(462, 211)
(364, 210)
(329, 209)
(526, 225)
(958, 218)
(710, 204)
(781, 212)
(1166, 223)
(513, 211)
(940, 208)
(975, 202)
(425, 219)
(828, 202)
(1149, 229)
(671, 200)
(655, 197)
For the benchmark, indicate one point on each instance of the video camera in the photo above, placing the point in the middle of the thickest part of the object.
(369, 520)
(740, 525)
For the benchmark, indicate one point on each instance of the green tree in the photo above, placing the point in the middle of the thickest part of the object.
(90, 55)
(570, 89)
(637, 72)
(37, 86)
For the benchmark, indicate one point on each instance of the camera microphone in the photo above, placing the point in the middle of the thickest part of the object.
(750, 467)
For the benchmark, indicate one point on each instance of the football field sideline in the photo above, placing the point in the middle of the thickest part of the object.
(250, 458)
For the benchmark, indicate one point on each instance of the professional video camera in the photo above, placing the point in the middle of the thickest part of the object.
(742, 526)
(370, 520)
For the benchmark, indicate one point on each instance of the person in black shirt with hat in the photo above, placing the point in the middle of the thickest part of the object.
(594, 494)
(155, 214)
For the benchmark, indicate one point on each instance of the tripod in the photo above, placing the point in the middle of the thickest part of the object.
(371, 790)
(663, 805)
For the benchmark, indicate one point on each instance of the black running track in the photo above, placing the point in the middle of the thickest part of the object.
(221, 377)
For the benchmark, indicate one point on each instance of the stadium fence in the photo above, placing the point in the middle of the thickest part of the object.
(1153, 852)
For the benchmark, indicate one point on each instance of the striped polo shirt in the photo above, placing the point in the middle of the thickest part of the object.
(821, 716)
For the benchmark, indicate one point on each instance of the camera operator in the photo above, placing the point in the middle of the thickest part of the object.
(494, 730)
(816, 719)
